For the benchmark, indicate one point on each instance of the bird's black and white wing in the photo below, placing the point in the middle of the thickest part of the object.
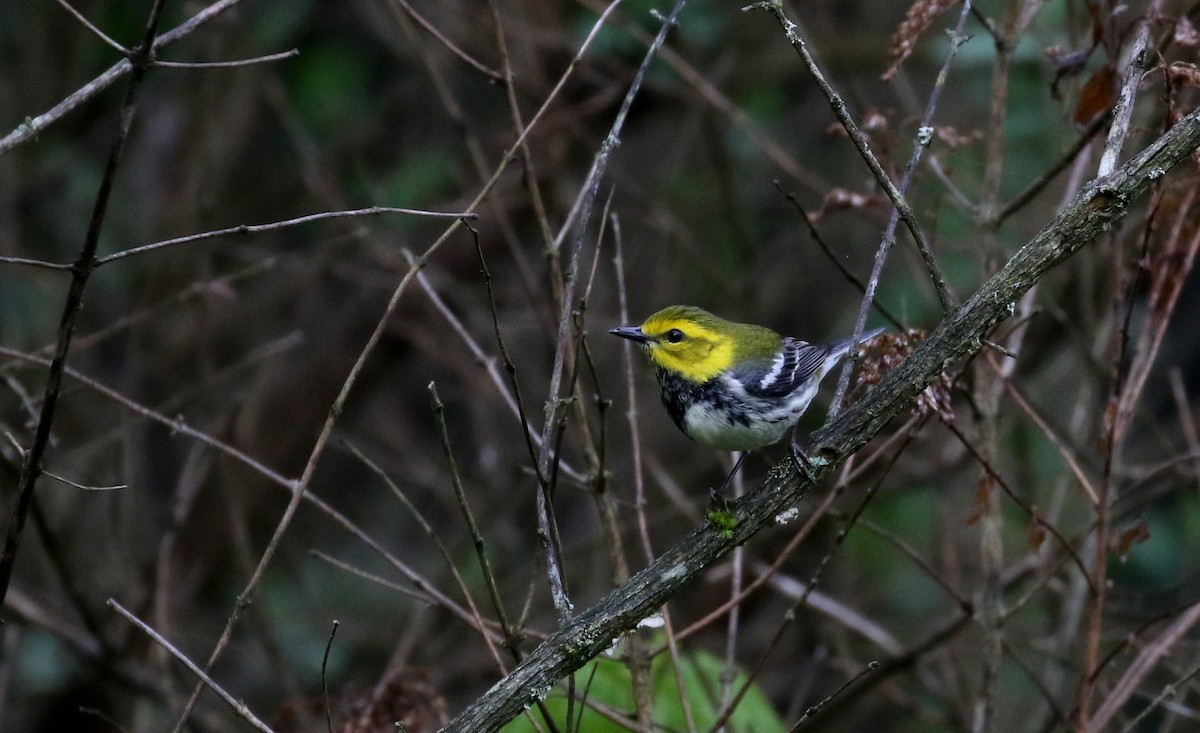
(795, 364)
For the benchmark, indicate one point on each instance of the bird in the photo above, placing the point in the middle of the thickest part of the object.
(733, 386)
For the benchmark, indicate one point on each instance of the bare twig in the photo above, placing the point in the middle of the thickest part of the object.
(1058, 442)
(815, 709)
(325, 678)
(268, 58)
(238, 706)
(1140, 58)
(478, 621)
(924, 133)
(299, 490)
(554, 401)
(376, 579)
(1141, 666)
(32, 126)
(432, 30)
(775, 8)
(275, 225)
(1039, 183)
(835, 260)
(712, 94)
(81, 272)
(21, 451)
(789, 616)
(175, 425)
(29, 262)
(1187, 421)
(1159, 699)
(95, 31)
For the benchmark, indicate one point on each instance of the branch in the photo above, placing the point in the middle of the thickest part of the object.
(239, 707)
(1100, 204)
(81, 271)
(32, 126)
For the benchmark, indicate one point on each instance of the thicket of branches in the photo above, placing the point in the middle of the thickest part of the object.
(310, 420)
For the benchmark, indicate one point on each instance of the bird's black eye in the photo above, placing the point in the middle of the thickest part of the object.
(674, 335)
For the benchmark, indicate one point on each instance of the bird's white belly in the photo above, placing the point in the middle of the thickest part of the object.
(709, 426)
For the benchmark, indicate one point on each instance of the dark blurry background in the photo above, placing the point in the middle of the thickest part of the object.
(248, 338)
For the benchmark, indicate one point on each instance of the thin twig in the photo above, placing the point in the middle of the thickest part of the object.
(81, 272)
(775, 8)
(432, 30)
(95, 31)
(994, 475)
(29, 262)
(528, 167)
(708, 90)
(228, 64)
(639, 478)
(815, 709)
(554, 401)
(415, 595)
(238, 706)
(175, 425)
(1058, 442)
(325, 678)
(789, 616)
(1142, 666)
(299, 491)
(1136, 63)
(1167, 691)
(1187, 421)
(1039, 183)
(835, 260)
(511, 634)
(478, 621)
(924, 134)
(514, 400)
(32, 126)
(275, 225)
(21, 451)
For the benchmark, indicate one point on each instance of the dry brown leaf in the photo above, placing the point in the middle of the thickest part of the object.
(839, 199)
(983, 492)
(1134, 535)
(1035, 533)
(920, 16)
(1097, 96)
(1182, 72)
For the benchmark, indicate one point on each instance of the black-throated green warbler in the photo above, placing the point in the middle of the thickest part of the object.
(728, 385)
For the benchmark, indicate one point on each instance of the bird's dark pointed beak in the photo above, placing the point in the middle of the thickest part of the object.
(633, 333)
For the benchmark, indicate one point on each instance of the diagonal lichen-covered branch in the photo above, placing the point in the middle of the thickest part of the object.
(1097, 207)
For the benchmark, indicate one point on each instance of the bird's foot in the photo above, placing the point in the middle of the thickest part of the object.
(720, 512)
(804, 467)
(718, 500)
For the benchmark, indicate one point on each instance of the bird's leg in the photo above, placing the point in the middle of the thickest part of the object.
(719, 498)
(804, 467)
(720, 510)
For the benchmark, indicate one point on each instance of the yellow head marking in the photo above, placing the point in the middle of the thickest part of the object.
(695, 348)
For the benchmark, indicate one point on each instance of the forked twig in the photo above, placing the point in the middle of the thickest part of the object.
(81, 272)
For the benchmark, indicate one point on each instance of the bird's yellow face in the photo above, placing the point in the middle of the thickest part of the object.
(686, 347)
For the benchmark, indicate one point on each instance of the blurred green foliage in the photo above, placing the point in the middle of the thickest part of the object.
(606, 681)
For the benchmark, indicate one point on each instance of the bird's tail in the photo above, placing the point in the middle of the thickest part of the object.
(841, 347)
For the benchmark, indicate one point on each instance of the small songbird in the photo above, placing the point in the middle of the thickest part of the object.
(728, 385)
